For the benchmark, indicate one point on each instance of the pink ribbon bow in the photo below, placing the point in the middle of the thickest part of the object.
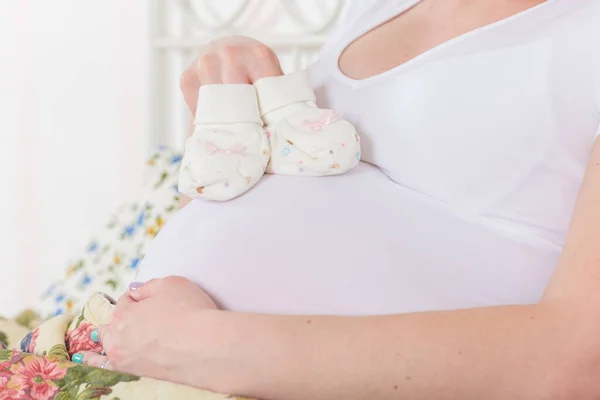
(327, 117)
(238, 149)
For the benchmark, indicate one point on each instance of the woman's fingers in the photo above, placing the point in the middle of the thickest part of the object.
(144, 290)
(209, 70)
(92, 360)
(99, 333)
(233, 60)
(265, 63)
(233, 68)
(125, 300)
(190, 83)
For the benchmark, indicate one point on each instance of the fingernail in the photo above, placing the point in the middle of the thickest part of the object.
(135, 285)
(94, 335)
(77, 358)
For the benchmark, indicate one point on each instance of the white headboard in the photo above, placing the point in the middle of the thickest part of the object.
(296, 29)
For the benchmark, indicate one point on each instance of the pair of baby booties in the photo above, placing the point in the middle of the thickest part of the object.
(274, 126)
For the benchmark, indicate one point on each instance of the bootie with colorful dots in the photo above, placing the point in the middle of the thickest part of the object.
(228, 151)
(304, 139)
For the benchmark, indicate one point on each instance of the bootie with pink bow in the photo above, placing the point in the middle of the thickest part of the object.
(304, 139)
(229, 151)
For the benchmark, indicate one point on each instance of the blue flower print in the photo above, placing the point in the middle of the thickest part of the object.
(285, 151)
(92, 247)
(59, 298)
(49, 291)
(59, 311)
(141, 218)
(86, 280)
(176, 159)
(135, 262)
(129, 230)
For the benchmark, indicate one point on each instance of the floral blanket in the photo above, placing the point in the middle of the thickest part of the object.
(39, 366)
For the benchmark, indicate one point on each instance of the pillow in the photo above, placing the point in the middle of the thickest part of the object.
(111, 257)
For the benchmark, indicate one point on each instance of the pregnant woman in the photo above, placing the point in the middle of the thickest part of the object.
(459, 260)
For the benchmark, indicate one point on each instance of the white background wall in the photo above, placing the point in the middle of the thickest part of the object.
(74, 102)
(73, 85)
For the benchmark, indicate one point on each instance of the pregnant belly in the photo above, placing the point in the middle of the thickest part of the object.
(352, 244)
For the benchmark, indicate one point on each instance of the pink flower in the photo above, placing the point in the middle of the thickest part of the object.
(36, 375)
(5, 374)
(5, 392)
(11, 394)
(80, 340)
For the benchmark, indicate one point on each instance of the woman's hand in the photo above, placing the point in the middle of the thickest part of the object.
(231, 60)
(170, 329)
(153, 329)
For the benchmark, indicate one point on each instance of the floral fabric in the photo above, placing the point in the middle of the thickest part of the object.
(112, 257)
(25, 376)
(40, 368)
(79, 339)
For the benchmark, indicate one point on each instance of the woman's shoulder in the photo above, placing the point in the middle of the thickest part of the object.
(586, 21)
(576, 24)
(584, 15)
(579, 30)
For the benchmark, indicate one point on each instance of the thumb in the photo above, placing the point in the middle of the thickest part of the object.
(140, 291)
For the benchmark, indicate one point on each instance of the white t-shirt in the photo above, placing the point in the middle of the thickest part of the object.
(474, 154)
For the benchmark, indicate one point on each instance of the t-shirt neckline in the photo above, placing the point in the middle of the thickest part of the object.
(406, 5)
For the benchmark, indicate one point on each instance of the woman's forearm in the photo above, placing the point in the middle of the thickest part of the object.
(518, 352)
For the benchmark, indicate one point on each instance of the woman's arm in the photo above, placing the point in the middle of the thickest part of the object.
(520, 352)
(578, 273)
(549, 350)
